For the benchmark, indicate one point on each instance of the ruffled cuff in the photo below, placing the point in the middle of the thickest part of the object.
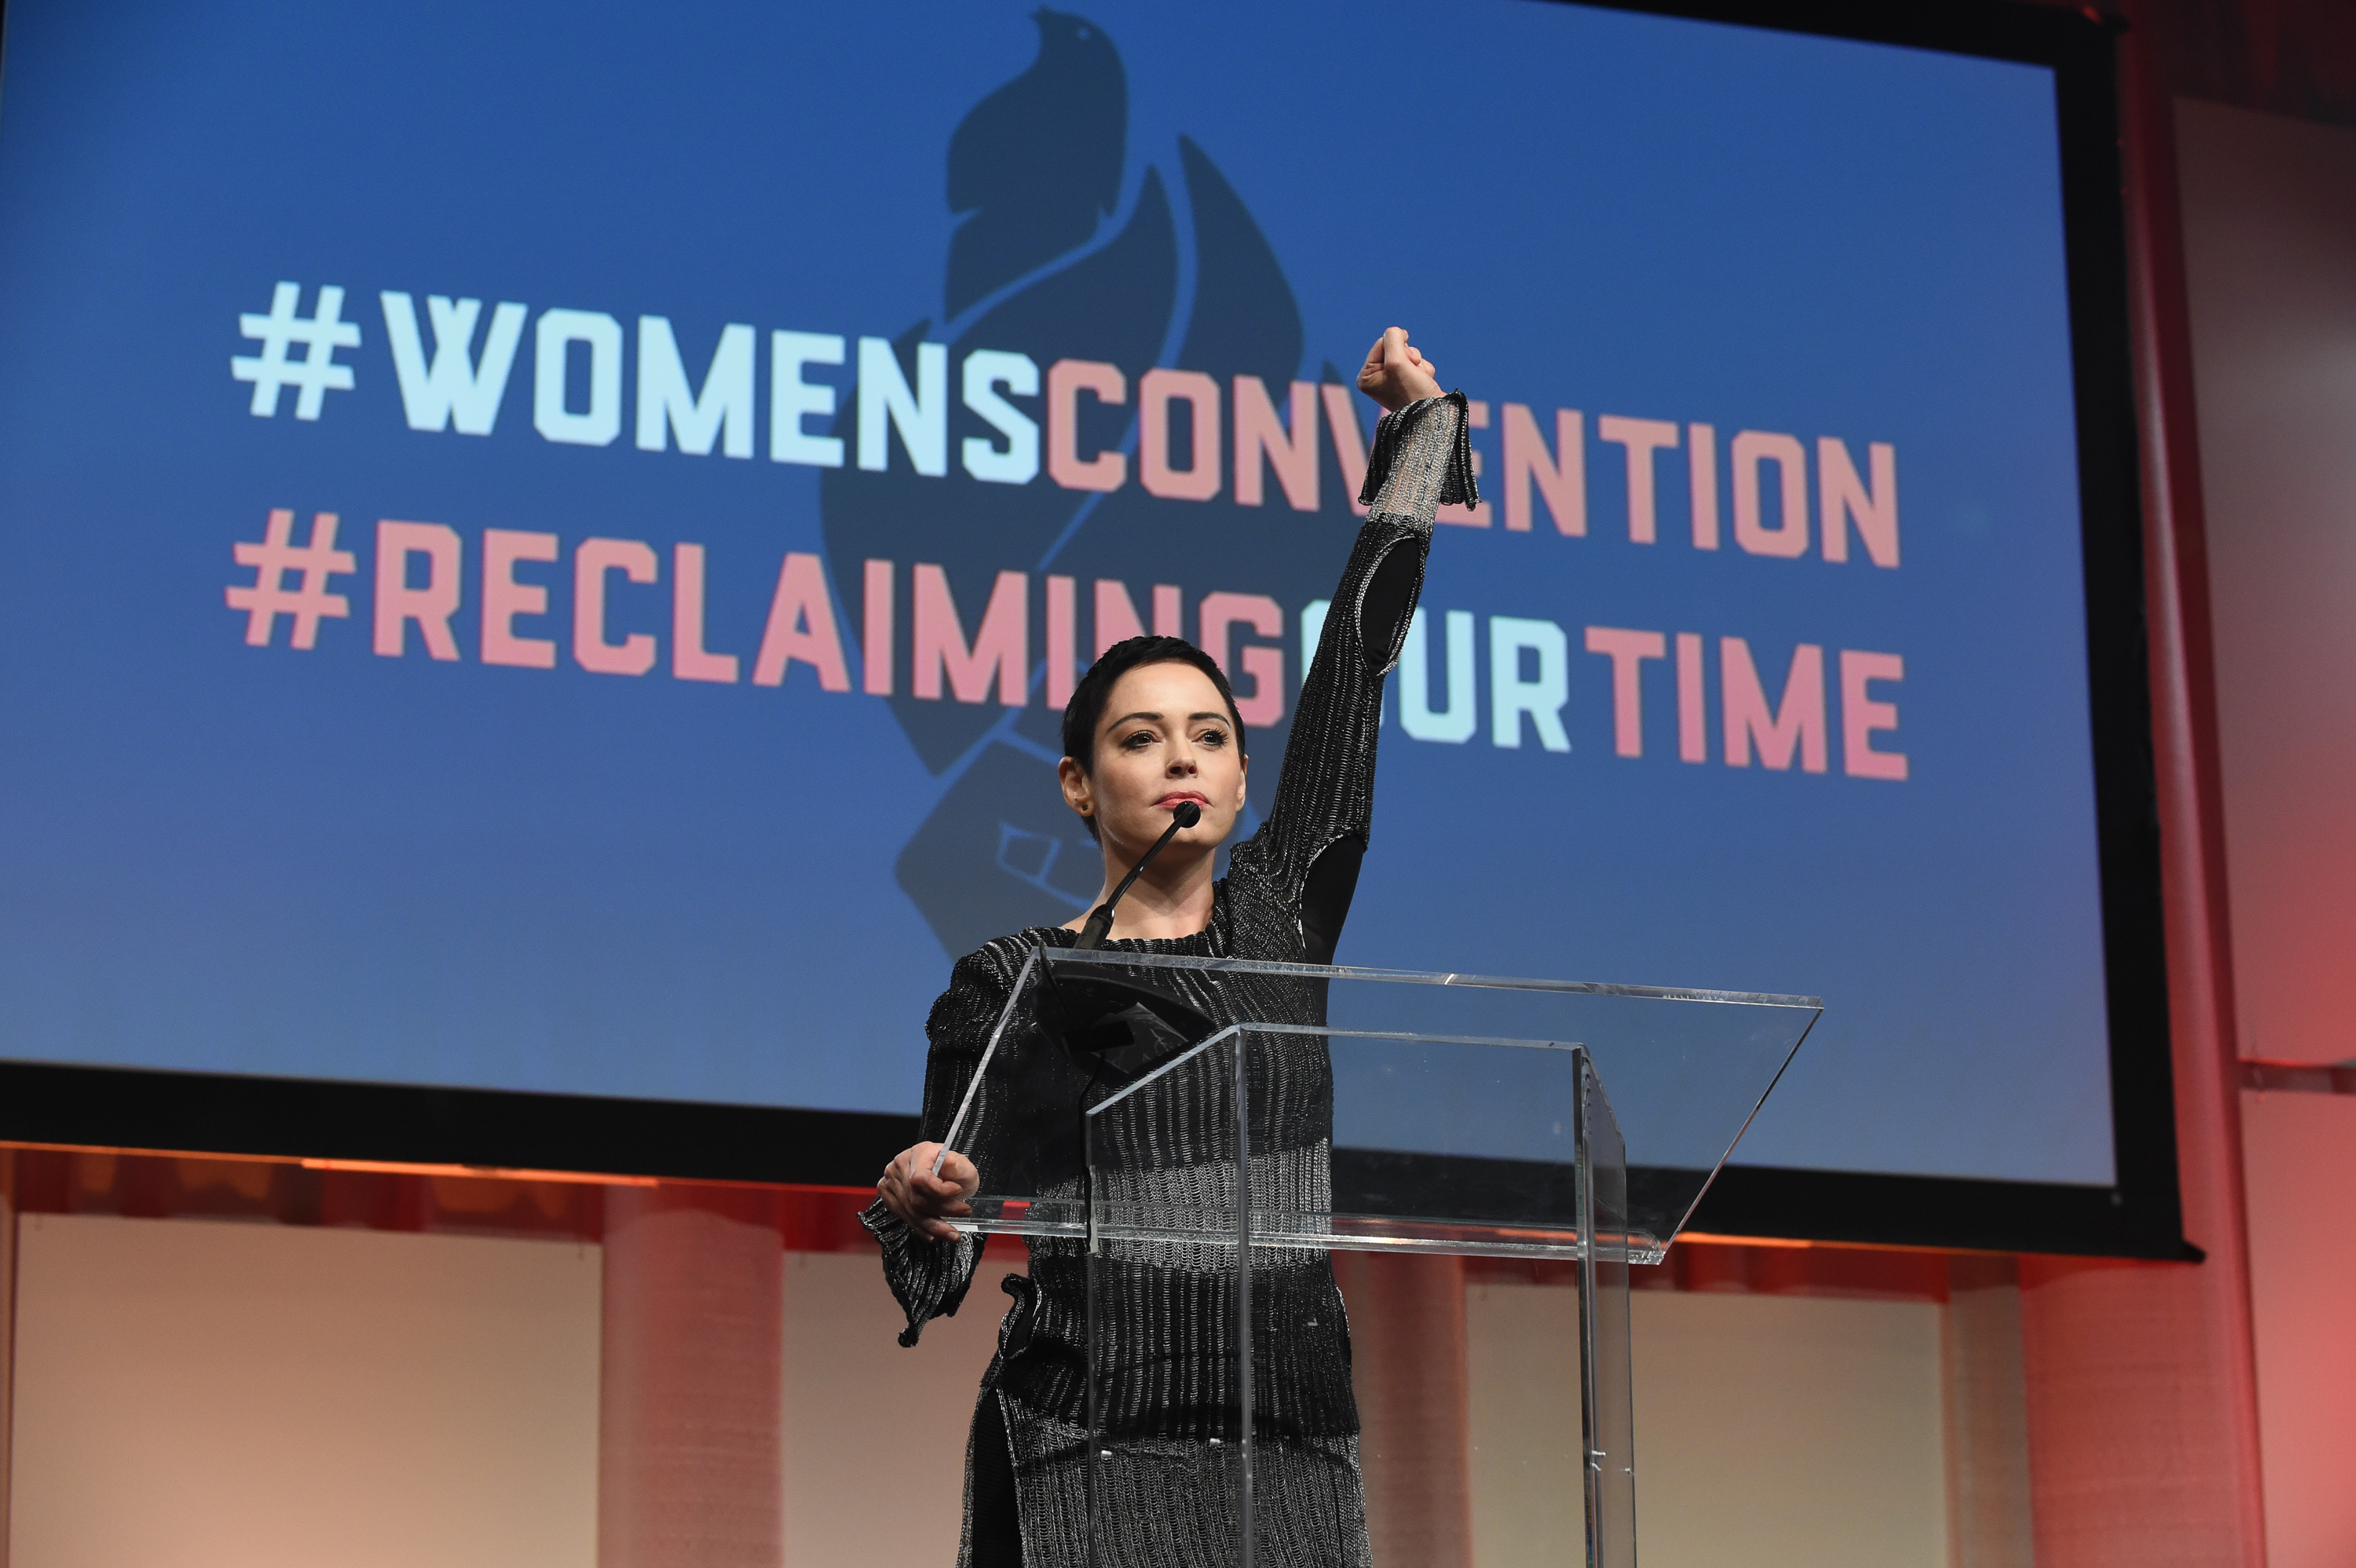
(1433, 461)
(929, 1279)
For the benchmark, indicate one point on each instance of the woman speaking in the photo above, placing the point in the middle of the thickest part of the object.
(1151, 727)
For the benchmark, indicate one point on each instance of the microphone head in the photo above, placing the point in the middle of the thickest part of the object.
(1187, 813)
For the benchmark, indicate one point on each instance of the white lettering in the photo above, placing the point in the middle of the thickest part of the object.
(664, 399)
(558, 331)
(985, 370)
(1542, 697)
(922, 416)
(454, 391)
(790, 398)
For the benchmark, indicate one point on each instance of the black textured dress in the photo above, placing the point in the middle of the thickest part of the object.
(1287, 890)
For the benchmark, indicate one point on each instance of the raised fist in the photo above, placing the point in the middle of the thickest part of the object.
(1394, 374)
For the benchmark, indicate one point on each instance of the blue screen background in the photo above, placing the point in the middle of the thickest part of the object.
(327, 863)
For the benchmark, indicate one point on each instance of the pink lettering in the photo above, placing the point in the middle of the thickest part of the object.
(1259, 436)
(1628, 651)
(1156, 391)
(504, 598)
(689, 659)
(1861, 716)
(801, 626)
(875, 630)
(1561, 478)
(1701, 476)
(1264, 666)
(1693, 718)
(1066, 380)
(1843, 496)
(1641, 438)
(1799, 720)
(268, 597)
(397, 603)
(1790, 536)
(1062, 640)
(1001, 644)
(635, 654)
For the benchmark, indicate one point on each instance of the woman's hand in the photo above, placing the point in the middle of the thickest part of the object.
(910, 1189)
(1394, 374)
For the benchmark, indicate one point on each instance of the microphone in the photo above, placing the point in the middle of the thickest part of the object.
(1100, 923)
(1110, 996)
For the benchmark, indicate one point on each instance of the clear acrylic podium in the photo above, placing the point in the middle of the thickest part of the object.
(1369, 1109)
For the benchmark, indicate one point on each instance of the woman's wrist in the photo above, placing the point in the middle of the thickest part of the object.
(1409, 398)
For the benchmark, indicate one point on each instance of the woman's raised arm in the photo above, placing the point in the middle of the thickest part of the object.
(1317, 829)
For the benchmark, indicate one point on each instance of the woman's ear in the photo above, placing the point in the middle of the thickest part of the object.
(1079, 790)
(1243, 782)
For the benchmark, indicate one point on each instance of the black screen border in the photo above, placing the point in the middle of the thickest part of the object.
(2138, 1215)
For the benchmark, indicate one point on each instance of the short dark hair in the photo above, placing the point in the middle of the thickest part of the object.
(1085, 711)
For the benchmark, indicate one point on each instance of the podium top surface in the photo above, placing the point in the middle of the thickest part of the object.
(1450, 1099)
(1119, 959)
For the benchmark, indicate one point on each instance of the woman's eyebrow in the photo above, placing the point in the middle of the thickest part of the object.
(1127, 717)
(1206, 713)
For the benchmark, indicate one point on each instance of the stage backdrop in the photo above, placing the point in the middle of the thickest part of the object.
(544, 545)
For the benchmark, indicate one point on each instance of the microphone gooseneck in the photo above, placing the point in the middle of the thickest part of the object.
(1100, 923)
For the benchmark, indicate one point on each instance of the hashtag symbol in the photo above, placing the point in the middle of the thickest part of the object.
(316, 374)
(272, 559)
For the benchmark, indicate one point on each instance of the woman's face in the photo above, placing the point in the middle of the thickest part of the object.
(1165, 738)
